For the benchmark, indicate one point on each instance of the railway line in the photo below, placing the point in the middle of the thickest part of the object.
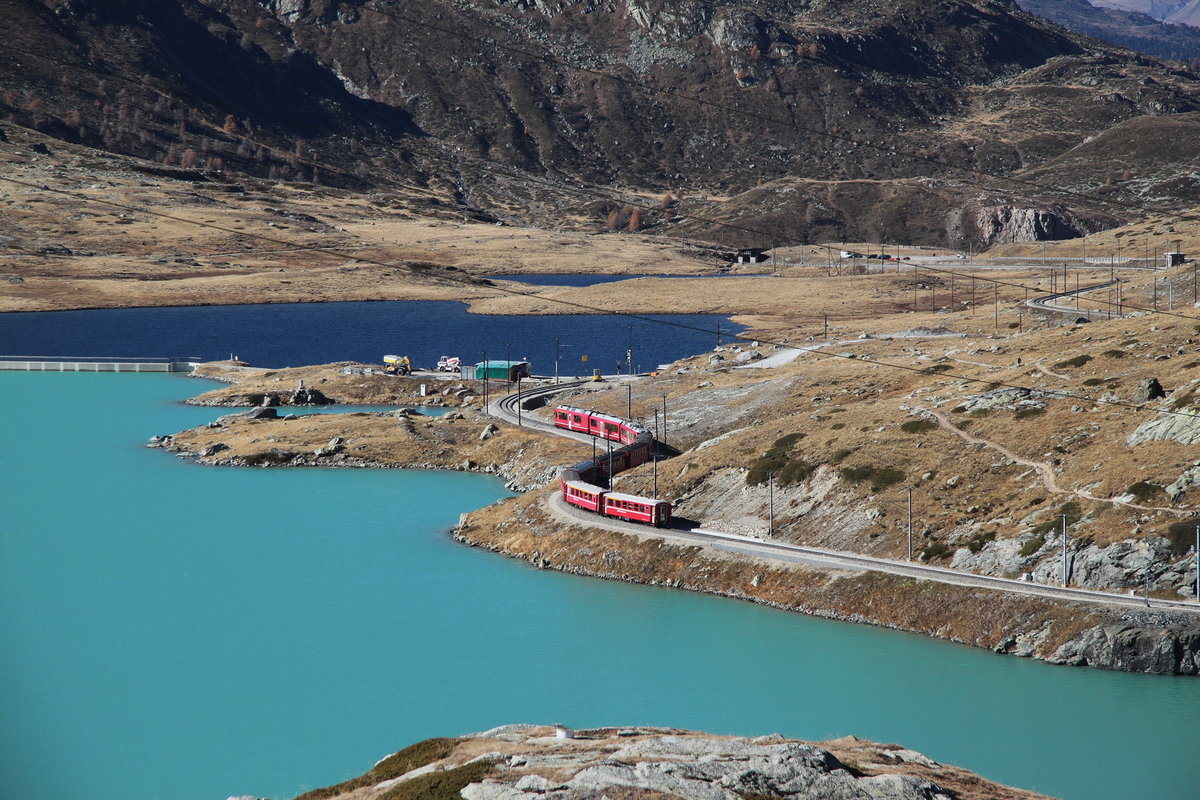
(782, 552)
(1050, 302)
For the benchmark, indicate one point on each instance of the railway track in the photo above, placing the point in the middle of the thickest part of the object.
(506, 408)
(1049, 304)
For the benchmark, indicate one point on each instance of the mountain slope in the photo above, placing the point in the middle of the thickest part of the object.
(1136, 29)
(534, 109)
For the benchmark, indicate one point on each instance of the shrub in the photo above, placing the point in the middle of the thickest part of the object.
(1183, 401)
(778, 460)
(839, 456)
(939, 368)
(1145, 492)
(918, 426)
(1114, 353)
(1027, 413)
(1032, 546)
(446, 785)
(1191, 365)
(1094, 381)
(395, 765)
(981, 412)
(1077, 361)
(795, 471)
(879, 477)
(837, 426)
(1182, 535)
(936, 550)
(976, 542)
(958, 409)
(1072, 512)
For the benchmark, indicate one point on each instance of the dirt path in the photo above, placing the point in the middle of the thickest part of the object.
(1045, 471)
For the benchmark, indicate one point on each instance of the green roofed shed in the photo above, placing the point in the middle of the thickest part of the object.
(502, 370)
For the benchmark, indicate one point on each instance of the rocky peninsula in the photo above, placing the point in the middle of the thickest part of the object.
(532, 762)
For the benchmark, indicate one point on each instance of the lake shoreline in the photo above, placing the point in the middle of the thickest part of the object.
(1155, 641)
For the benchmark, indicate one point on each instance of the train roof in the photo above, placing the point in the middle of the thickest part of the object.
(633, 426)
(633, 498)
(584, 486)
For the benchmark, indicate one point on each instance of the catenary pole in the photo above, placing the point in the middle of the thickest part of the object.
(910, 524)
(1064, 549)
(771, 504)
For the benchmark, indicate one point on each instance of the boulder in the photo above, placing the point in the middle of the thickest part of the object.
(747, 356)
(309, 397)
(1148, 389)
(1182, 427)
(336, 445)
(488, 432)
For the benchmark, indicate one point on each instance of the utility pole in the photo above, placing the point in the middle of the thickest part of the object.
(996, 303)
(654, 467)
(485, 382)
(910, 523)
(1198, 563)
(629, 401)
(664, 427)
(972, 295)
(518, 399)
(1146, 581)
(629, 353)
(1064, 551)
(771, 504)
(609, 443)
(826, 316)
(557, 350)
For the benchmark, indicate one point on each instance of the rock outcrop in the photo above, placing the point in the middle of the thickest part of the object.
(528, 762)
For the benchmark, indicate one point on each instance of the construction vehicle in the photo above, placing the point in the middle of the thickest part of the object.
(449, 364)
(397, 365)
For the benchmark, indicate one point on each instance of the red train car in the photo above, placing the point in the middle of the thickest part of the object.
(584, 495)
(595, 423)
(637, 509)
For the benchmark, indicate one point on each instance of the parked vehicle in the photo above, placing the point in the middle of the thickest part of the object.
(397, 365)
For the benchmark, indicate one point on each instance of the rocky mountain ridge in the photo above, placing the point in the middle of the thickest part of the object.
(1125, 25)
(662, 98)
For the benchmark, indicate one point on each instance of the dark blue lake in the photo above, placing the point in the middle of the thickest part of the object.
(295, 334)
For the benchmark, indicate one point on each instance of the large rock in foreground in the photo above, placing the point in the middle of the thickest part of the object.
(523, 762)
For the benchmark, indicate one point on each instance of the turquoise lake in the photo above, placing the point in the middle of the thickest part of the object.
(179, 632)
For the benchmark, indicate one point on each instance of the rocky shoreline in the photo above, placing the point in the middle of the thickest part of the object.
(539, 762)
(1074, 634)
(1150, 641)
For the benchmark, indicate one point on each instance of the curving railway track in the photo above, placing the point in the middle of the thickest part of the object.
(506, 408)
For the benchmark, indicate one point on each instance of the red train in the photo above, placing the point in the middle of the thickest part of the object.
(580, 482)
(605, 426)
(615, 504)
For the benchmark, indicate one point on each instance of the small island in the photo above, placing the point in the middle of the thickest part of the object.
(528, 762)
